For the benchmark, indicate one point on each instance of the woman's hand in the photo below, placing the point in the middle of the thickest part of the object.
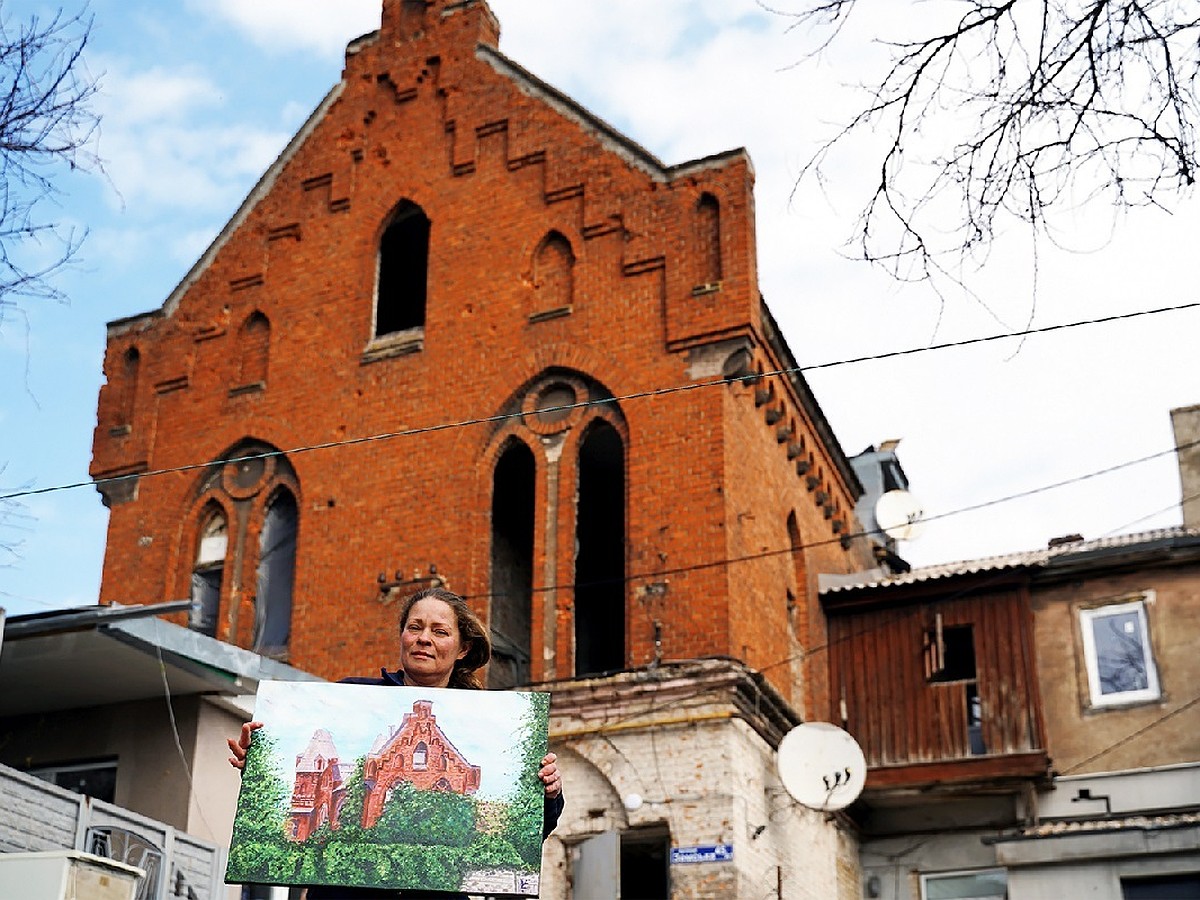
(549, 775)
(239, 746)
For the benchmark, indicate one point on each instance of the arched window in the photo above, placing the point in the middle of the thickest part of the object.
(600, 552)
(708, 240)
(254, 344)
(553, 274)
(276, 575)
(512, 566)
(208, 572)
(421, 757)
(403, 271)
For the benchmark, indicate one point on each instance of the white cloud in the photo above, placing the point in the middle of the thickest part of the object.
(130, 98)
(285, 26)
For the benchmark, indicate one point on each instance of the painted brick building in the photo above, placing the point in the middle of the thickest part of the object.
(462, 330)
(417, 753)
(319, 789)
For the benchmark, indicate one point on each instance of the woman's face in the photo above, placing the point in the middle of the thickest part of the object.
(430, 643)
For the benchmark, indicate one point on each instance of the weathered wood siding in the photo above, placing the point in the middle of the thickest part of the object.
(877, 668)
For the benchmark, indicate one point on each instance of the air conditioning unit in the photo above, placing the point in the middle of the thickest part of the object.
(67, 875)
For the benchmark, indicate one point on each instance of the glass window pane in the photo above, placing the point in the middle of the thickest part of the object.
(1120, 653)
(987, 884)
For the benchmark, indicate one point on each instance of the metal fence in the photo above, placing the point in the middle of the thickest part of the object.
(38, 816)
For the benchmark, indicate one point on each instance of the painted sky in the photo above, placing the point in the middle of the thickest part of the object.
(199, 96)
(485, 727)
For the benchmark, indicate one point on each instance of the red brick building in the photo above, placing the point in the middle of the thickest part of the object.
(419, 753)
(319, 789)
(462, 324)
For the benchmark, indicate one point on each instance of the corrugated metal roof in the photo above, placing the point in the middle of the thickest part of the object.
(1100, 826)
(877, 578)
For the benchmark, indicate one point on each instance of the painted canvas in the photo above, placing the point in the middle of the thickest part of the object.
(392, 787)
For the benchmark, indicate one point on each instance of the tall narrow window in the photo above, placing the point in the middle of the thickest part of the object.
(403, 272)
(553, 274)
(1116, 647)
(276, 575)
(512, 567)
(207, 574)
(708, 240)
(131, 364)
(600, 559)
(254, 344)
(800, 623)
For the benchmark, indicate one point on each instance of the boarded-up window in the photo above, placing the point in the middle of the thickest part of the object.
(403, 271)
(553, 274)
(708, 240)
(254, 345)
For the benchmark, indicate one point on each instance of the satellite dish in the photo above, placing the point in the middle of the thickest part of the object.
(899, 515)
(821, 766)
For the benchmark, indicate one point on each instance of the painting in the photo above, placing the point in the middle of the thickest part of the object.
(392, 787)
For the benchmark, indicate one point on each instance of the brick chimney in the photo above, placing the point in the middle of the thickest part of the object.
(1186, 422)
(407, 20)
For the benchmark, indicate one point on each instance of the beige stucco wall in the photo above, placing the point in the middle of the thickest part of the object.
(1075, 730)
(152, 778)
(710, 782)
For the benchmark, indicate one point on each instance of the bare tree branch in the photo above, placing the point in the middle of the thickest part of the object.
(47, 126)
(1032, 108)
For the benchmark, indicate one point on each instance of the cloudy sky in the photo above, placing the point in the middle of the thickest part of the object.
(199, 96)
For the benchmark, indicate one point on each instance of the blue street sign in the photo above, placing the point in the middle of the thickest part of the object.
(705, 853)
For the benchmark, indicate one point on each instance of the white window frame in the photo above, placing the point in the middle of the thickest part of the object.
(936, 876)
(1087, 621)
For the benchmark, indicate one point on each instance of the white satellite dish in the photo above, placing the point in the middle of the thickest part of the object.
(821, 766)
(899, 515)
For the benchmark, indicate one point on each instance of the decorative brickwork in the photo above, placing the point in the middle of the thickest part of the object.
(319, 789)
(419, 753)
(562, 258)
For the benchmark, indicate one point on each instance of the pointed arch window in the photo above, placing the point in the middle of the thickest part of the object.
(421, 757)
(254, 345)
(513, 487)
(403, 271)
(276, 575)
(553, 277)
(600, 555)
(208, 573)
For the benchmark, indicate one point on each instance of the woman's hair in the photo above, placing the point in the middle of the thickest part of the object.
(471, 633)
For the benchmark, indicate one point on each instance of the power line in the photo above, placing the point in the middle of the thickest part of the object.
(783, 551)
(605, 401)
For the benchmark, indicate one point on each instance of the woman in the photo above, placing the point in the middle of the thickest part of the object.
(442, 644)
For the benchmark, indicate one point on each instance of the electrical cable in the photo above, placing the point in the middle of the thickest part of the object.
(792, 548)
(605, 401)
